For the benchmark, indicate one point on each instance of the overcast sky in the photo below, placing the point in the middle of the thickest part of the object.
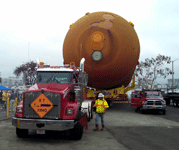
(40, 26)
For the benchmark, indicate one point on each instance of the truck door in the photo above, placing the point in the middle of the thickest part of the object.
(135, 100)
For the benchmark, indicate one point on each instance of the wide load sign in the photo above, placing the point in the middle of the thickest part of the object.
(42, 105)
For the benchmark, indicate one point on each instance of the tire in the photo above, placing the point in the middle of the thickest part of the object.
(110, 103)
(143, 111)
(164, 112)
(21, 133)
(89, 116)
(91, 111)
(175, 103)
(171, 102)
(77, 132)
(137, 109)
(167, 101)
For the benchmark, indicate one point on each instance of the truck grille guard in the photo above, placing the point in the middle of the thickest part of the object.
(154, 102)
(54, 113)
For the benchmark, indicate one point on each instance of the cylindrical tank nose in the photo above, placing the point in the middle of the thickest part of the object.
(109, 45)
(97, 39)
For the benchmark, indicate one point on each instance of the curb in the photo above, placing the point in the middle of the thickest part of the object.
(6, 118)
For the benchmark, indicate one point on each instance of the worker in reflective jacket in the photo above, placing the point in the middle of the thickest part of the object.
(101, 106)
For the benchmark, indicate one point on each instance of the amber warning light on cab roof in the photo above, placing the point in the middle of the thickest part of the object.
(71, 66)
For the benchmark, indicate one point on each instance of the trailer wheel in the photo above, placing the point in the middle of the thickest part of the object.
(175, 103)
(77, 132)
(110, 103)
(21, 133)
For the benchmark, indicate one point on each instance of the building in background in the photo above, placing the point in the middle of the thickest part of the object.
(12, 81)
(175, 83)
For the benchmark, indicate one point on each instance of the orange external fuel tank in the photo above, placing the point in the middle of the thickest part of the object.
(109, 45)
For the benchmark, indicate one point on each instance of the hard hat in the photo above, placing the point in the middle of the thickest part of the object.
(100, 95)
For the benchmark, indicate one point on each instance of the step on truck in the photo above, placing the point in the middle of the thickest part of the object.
(148, 100)
(55, 102)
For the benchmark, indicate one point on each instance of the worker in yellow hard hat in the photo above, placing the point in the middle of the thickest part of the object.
(101, 106)
(5, 96)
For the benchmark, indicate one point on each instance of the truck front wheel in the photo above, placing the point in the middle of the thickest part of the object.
(143, 111)
(21, 133)
(91, 111)
(164, 112)
(77, 132)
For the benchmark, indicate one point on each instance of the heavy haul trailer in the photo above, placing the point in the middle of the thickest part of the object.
(172, 98)
(112, 95)
(111, 49)
(55, 102)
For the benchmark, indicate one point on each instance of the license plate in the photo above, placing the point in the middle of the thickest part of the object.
(40, 131)
(154, 107)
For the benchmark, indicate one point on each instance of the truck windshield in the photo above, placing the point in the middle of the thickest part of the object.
(153, 94)
(54, 77)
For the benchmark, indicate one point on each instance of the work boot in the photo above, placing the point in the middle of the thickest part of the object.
(97, 128)
(102, 128)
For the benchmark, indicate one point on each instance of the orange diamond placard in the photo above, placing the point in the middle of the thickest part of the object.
(42, 105)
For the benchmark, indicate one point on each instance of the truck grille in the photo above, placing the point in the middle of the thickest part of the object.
(154, 102)
(54, 113)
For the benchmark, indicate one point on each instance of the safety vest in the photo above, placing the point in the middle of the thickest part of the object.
(5, 96)
(100, 105)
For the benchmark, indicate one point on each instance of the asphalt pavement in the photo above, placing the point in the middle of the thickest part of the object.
(3, 113)
(150, 131)
(125, 129)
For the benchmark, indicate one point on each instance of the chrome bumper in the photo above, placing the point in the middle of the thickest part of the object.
(44, 124)
(152, 107)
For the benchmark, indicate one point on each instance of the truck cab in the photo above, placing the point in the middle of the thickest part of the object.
(148, 100)
(54, 102)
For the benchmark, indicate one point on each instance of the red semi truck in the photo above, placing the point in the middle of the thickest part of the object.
(54, 102)
(148, 100)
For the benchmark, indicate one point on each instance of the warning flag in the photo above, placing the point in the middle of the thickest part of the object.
(84, 121)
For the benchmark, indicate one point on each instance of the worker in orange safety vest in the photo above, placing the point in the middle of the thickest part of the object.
(101, 106)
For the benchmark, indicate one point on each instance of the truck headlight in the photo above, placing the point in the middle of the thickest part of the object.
(69, 111)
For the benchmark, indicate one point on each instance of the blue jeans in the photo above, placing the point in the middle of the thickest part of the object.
(98, 115)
